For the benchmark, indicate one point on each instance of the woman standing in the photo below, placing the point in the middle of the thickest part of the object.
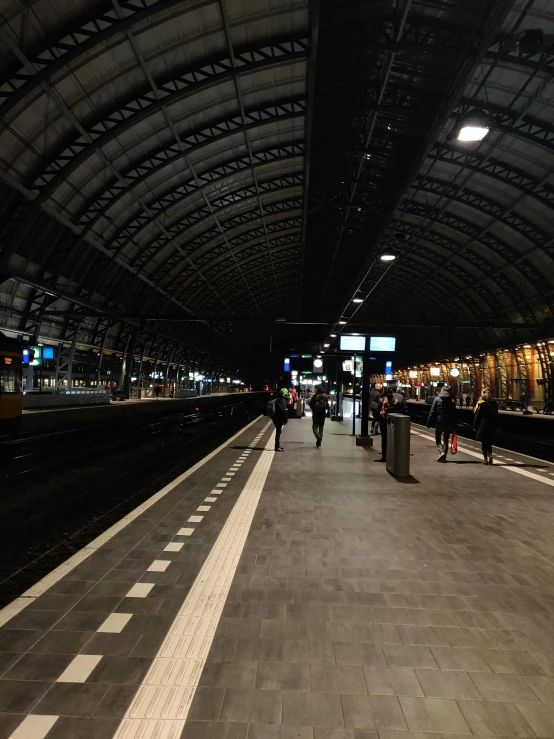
(485, 423)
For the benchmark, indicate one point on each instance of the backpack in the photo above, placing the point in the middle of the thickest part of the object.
(270, 407)
(321, 401)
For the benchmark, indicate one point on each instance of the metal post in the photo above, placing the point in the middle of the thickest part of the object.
(364, 426)
(354, 396)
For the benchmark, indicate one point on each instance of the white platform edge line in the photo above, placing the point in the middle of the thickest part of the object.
(39, 588)
(509, 467)
(501, 448)
(224, 559)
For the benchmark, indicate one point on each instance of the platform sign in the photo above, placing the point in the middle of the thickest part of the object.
(352, 343)
(382, 343)
(388, 370)
(287, 364)
(34, 356)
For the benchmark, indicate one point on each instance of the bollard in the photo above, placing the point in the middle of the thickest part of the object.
(398, 445)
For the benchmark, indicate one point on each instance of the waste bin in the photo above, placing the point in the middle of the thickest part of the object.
(398, 445)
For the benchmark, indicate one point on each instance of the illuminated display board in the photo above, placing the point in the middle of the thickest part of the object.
(352, 343)
(382, 343)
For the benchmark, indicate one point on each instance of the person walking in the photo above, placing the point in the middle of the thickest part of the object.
(443, 416)
(157, 391)
(319, 405)
(485, 423)
(468, 401)
(280, 416)
(461, 401)
(374, 398)
(387, 404)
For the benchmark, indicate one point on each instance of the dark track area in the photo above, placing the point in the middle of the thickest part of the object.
(524, 435)
(60, 490)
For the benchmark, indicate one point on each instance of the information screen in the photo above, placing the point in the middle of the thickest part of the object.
(48, 352)
(382, 343)
(352, 343)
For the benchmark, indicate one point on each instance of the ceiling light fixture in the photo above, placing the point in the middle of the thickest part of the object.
(472, 133)
(473, 127)
(342, 323)
(387, 257)
(357, 300)
(333, 336)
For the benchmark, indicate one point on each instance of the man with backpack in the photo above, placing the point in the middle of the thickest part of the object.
(443, 416)
(319, 405)
(277, 410)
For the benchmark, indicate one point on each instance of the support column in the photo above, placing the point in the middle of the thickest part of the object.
(364, 439)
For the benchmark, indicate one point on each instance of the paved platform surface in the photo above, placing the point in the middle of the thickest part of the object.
(302, 595)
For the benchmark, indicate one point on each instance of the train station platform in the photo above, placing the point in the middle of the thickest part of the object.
(300, 595)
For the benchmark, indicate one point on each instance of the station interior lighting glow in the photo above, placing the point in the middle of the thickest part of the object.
(333, 336)
(342, 323)
(357, 300)
(472, 133)
(387, 257)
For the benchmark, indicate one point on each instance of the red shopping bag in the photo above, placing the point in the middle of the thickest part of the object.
(454, 443)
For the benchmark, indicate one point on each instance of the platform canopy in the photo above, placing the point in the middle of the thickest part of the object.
(240, 161)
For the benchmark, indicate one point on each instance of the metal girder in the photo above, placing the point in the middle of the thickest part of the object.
(543, 62)
(498, 170)
(533, 277)
(212, 236)
(257, 256)
(200, 212)
(488, 206)
(259, 281)
(75, 39)
(141, 170)
(290, 239)
(285, 231)
(188, 254)
(170, 90)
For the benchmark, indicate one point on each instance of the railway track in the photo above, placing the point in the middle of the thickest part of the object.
(60, 491)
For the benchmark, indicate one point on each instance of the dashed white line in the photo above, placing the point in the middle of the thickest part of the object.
(159, 565)
(204, 508)
(79, 669)
(195, 519)
(161, 705)
(186, 531)
(34, 727)
(174, 546)
(140, 590)
(116, 622)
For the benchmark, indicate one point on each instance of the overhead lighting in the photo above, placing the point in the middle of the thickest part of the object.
(326, 345)
(387, 257)
(357, 300)
(472, 133)
(333, 336)
(342, 323)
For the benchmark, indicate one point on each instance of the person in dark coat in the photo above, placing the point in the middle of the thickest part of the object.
(443, 416)
(374, 398)
(280, 417)
(387, 404)
(319, 405)
(485, 423)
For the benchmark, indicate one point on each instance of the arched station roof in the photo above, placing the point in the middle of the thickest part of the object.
(253, 158)
(470, 223)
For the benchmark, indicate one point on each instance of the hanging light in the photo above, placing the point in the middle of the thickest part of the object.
(387, 257)
(357, 300)
(473, 127)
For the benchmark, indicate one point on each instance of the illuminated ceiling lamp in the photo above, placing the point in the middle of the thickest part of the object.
(387, 256)
(473, 127)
